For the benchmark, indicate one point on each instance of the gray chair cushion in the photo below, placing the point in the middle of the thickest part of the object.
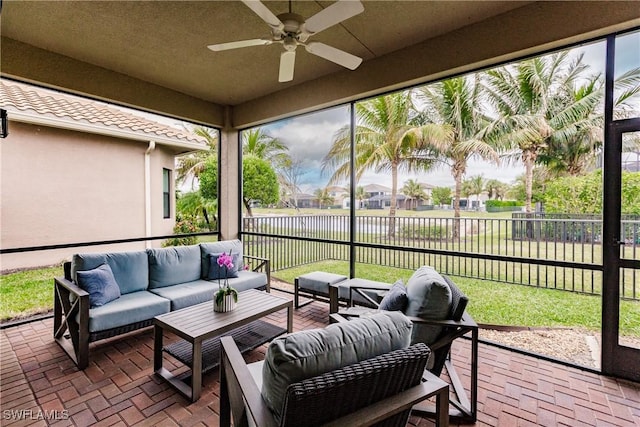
(130, 269)
(319, 281)
(396, 299)
(305, 354)
(129, 308)
(429, 298)
(174, 265)
(226, 246)
(100, 284)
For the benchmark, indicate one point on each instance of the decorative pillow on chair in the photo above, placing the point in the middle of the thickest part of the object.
(100, 284)
(396, 299)
(429, 298)
(217, 272)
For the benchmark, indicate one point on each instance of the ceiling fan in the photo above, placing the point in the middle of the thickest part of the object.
(291, 30)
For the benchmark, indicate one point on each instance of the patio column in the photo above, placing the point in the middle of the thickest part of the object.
(229, 197)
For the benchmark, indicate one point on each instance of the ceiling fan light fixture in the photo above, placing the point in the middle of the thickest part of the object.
(290, 43)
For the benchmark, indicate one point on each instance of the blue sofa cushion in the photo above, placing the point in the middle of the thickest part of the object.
(174, 265)
(226, 246)
(100, 284)
(129, 308)
(396, 299)
(221, 272)
(429, 298)
(305, 354)
(248, 280)
(187, 294)
(130, 269)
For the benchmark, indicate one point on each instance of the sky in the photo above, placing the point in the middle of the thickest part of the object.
(310, 136)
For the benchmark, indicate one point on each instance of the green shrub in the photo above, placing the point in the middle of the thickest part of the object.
(431, 232)
(503, 205)
(182, 227)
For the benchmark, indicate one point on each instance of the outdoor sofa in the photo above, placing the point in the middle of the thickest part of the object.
(89, 306)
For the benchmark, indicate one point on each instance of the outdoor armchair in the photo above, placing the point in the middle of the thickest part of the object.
(438, 332)
(378, 390)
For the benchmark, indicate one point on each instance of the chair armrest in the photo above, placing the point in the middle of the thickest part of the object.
(466, 322)
(71, 287)
(337, 318)
(239, 384)
(263, 263)
(360, 290)
(388, 407)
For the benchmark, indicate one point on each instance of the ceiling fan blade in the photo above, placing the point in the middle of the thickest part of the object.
(238, 44)
(332, 54)
(263, 12)
(337, 12)
(287, 63)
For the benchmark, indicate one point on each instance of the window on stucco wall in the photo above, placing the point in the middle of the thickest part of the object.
(166, 193)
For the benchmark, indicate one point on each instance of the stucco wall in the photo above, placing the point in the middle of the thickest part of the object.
(60, 186)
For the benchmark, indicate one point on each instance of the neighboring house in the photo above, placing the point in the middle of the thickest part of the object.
(474, 202)
(339, 194)
(308, 201)
(76, 171)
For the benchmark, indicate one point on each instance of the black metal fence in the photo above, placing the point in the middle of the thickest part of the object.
(542, 252)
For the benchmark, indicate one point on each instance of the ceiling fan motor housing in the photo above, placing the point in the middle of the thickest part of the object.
(292, 23)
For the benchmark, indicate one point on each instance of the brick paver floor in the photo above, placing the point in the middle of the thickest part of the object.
(40, 385)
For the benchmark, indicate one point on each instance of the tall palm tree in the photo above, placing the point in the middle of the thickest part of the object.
(457, 103)
(388, 139)
(414, 192)
(191, 165)
(575, 151)
(534, 108)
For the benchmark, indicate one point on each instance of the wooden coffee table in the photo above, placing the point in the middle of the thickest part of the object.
(201, 328)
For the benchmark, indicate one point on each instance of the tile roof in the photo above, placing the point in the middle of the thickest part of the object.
(44, 102)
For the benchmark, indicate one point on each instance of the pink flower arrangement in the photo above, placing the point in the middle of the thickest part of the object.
(225, 261)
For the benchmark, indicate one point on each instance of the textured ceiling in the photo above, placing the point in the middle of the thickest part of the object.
(165, 42)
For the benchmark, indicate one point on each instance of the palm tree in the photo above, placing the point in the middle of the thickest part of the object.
(388, 139)
(258, 143)
(192, 164)
(360, 195)
(323, 197)
(476, 186)
(575, 152)
(457, 103)
(534, 108)
(414, 191)
(496, 189)
(193, 205)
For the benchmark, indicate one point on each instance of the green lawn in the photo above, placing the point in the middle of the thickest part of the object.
(26, 293)
(30, 292)
(499, 303)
